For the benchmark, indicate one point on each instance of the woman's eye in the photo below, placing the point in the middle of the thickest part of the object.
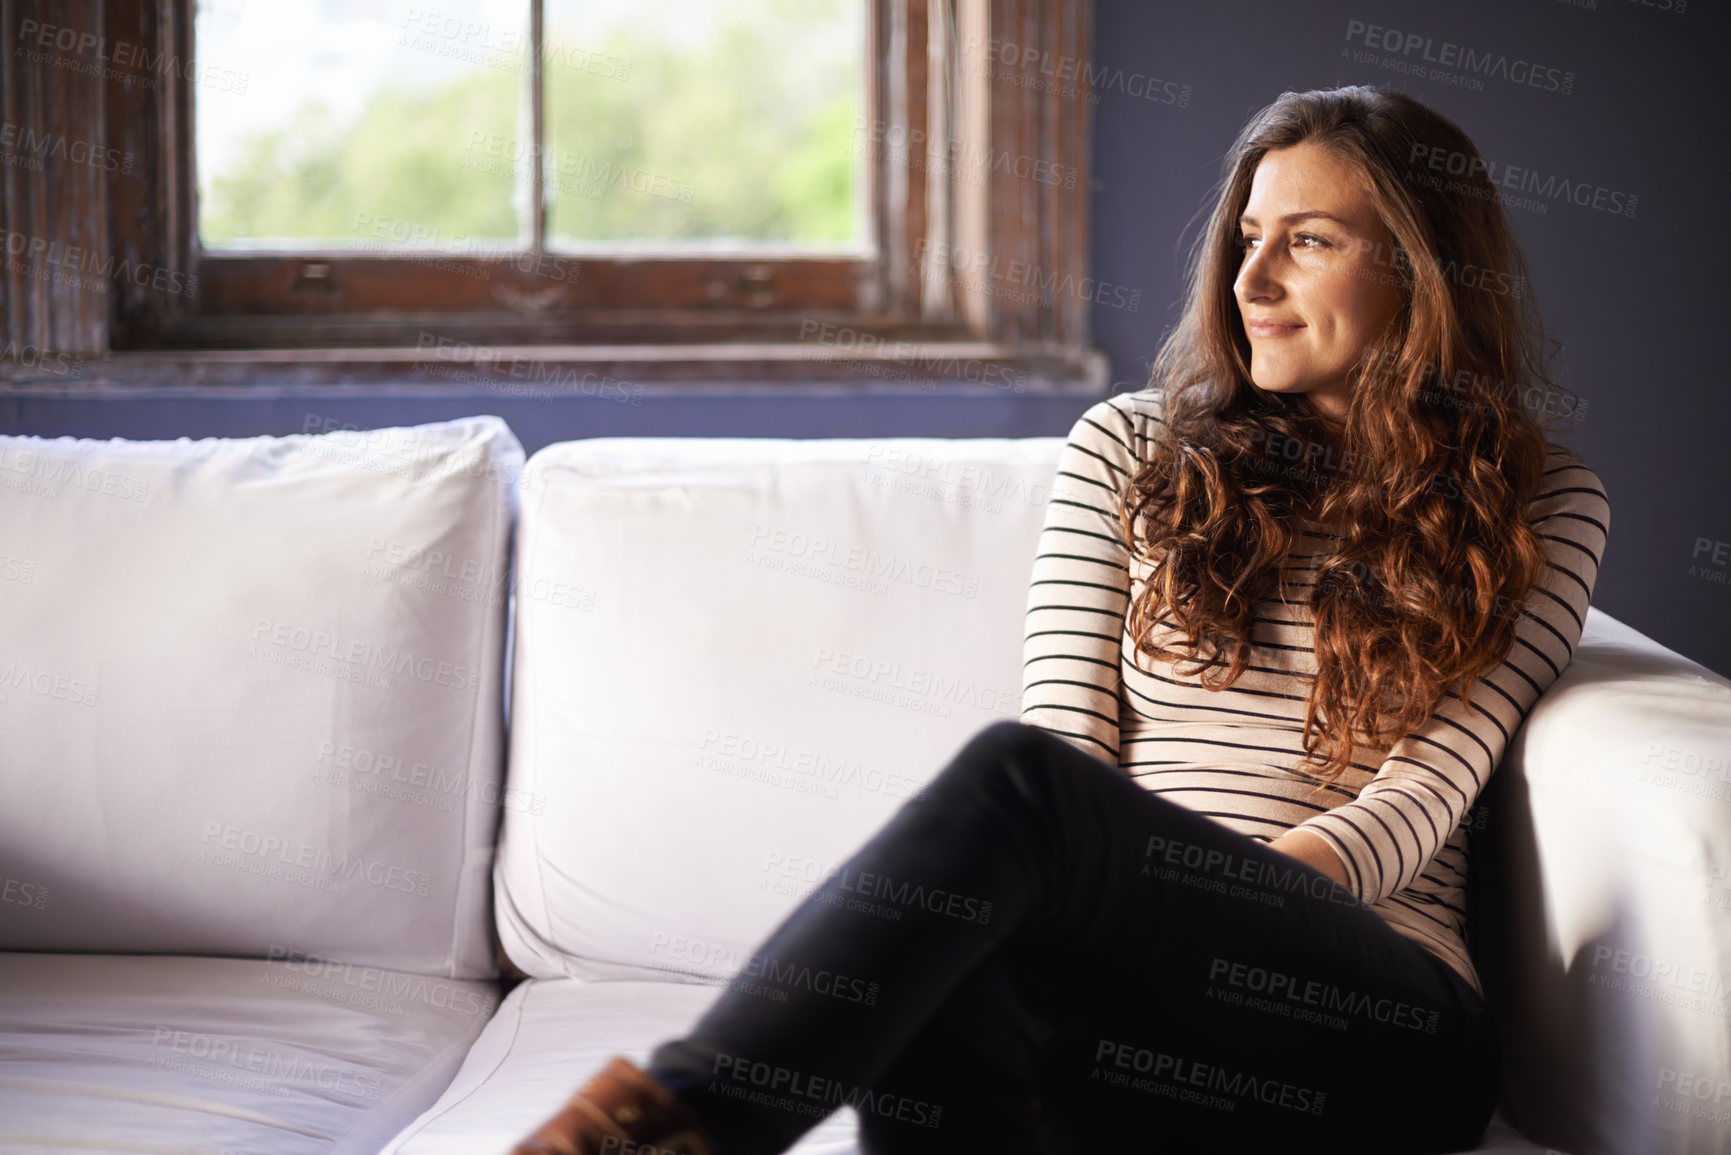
(1248, 242)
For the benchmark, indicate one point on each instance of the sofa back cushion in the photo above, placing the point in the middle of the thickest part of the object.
(734, 659)
(250, 693)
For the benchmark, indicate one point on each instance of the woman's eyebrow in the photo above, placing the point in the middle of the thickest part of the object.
(1289, 218)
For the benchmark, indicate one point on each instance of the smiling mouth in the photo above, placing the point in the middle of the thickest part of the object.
(1272, 329)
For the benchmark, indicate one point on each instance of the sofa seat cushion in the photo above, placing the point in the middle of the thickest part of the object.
(549, 1037)
(240, 1056)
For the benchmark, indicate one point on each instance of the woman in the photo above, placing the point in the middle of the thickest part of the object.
(1290, 602)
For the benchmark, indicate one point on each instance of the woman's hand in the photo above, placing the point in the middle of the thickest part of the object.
(1313, 850)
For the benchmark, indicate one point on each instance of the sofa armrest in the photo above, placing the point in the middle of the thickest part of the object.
(1601, 903)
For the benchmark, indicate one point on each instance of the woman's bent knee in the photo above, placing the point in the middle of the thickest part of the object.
(1010, 732)
(1007, 746)
(1002, 759)
(1009, 738)
(1012, 758)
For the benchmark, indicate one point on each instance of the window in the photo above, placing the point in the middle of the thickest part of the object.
(475, 127)
(523, 177)
(545, 156)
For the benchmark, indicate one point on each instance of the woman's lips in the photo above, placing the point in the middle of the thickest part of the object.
(1273, 328)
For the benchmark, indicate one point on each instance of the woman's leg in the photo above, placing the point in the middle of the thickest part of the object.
(865, 961)
(1136, 997)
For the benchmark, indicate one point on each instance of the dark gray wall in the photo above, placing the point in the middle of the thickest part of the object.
(1628, 296)
(1638, 302)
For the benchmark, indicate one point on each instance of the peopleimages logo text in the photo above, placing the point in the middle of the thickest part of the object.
(1447, 54)
(302, 855)
(392, 984)
(75, 261)
(93, 55)
(364, 654)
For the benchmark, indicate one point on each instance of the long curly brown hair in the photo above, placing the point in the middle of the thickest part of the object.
(1437, 462)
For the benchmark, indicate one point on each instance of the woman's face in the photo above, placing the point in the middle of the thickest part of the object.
(1312, 289)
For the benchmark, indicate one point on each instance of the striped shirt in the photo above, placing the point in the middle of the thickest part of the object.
(1398, 815)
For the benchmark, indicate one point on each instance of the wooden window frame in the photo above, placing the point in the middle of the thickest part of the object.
(933, 89)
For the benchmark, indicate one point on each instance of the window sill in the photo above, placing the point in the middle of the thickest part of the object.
(548, 372)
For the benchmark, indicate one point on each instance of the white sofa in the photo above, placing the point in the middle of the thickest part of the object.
(264, 836)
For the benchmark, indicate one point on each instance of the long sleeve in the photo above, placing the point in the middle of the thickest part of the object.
(1424, 787)
(1080, 586)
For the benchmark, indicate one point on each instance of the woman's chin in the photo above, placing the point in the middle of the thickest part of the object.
(1284, 388)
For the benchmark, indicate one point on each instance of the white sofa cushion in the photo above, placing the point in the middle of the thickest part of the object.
(549, 1037)
(1603, 885)
(250, 693)
(163, 1053)
(734, 659)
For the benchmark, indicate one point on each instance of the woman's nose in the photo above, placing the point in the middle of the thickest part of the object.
(1254, 276)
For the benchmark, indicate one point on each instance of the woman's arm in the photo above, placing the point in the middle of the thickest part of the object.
(1079, 589)
(1313, 850)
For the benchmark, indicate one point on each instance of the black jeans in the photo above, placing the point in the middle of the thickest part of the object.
(1040, 955)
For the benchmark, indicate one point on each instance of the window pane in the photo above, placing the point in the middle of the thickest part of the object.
(704, 120)
(357, 123)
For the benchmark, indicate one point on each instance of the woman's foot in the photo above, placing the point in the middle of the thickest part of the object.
(626, 1104)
